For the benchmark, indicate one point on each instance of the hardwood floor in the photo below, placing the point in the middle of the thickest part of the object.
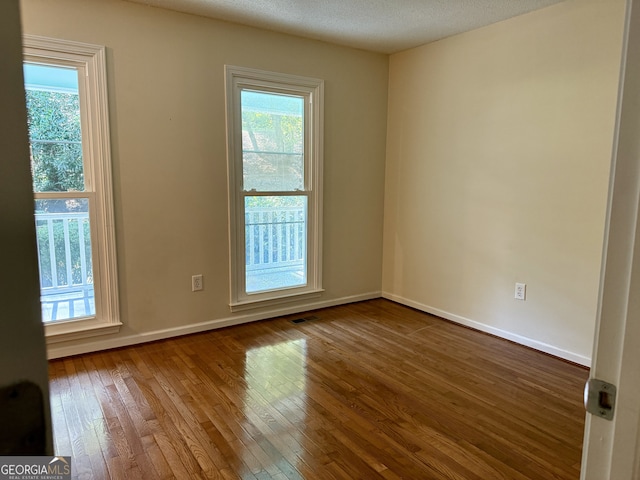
(362, 391)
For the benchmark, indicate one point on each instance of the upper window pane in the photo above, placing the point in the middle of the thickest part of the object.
(272, 141)
(55, 137)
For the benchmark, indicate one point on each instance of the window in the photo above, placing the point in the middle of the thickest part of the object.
(65, 85)
(274, 145)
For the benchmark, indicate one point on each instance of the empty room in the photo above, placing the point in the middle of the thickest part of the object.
(289, 240)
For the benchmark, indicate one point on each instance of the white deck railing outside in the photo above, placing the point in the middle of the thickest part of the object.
(275, 254)
(275, 240)
(274, 237)
(64, 260)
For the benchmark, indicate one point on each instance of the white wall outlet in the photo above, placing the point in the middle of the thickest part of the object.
(521, 291)
(196, 283)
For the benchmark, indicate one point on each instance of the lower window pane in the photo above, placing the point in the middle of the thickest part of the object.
(275, 242)
(64, 259)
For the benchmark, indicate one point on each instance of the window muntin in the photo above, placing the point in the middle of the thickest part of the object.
(275, 155)
(63, 232)
(65, 84)
(62, 224)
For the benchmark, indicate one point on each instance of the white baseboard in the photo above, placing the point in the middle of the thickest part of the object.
(61, 350)
(535, 344)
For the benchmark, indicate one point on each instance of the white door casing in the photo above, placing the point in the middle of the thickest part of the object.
(611, 447)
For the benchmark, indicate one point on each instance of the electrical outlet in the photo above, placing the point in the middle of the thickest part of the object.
(521, 291)
(196, 283)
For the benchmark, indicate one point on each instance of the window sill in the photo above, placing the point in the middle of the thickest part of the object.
(77, 329)
(258, 303)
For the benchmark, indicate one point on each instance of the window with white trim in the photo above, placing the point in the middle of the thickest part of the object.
(274, 148)
(67, 112)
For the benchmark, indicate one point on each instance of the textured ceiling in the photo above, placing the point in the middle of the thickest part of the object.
(385, 26)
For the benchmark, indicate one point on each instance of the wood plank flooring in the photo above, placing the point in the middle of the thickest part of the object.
(363, 391)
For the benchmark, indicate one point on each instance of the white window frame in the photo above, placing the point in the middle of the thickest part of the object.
(312, 89)
(90, 61)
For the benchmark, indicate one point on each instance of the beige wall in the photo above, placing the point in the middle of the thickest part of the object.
(497, 160)
(498, 153)
(166, 87)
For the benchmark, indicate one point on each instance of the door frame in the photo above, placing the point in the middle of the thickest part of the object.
(610, 448)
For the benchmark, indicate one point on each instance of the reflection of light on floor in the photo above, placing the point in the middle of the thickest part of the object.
(275, 403)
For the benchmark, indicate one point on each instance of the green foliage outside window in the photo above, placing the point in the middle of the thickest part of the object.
(55, 137)
(56, 164)
(278, 165)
